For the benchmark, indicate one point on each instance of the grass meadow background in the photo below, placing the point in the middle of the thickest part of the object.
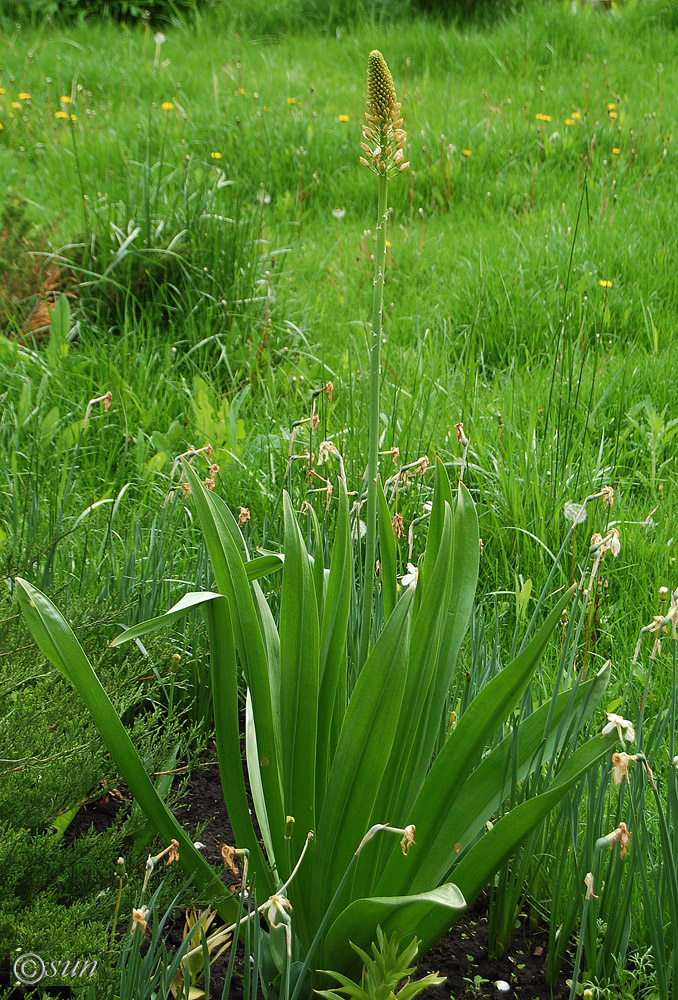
(200, 205)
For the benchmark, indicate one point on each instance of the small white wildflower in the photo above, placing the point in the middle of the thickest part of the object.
(278, 908)
(624, 728)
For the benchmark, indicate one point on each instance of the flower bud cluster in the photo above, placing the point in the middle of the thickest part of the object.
(383, 134)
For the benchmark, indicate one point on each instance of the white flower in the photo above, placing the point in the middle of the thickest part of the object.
(624, 728)
(411, 577)
(278, 906)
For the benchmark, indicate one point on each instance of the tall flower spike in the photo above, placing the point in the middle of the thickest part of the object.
(383, 133)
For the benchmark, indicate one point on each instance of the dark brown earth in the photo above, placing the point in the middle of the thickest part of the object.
(461, 956)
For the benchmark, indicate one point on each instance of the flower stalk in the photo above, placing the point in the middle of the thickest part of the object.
(383, 146)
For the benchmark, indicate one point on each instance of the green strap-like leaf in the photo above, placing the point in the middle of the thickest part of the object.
(187, 603)
(464, 748)
(461, 594)
(58, 643)
(474, 801)
(362, 755)
(476, 868)
(226, 550)
(224, 673)
(333, 655)
(299, 680)
(387, 554)
(406, 915)
(423, 653)
(256, 787)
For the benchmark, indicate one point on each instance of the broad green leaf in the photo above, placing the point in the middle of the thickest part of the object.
(178, 610)
(58, 643)
(422, 658)
(464, 748)
(227, 551)
(387, 554)
(224, 675)
(442, 494)
(333, 653)
(318, 563)
(461, 594)
(262, 566)
(474, 801)
(407, 915)
(362, 754)
(299, 682)
(256, 787)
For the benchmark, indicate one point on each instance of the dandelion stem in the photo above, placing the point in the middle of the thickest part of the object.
(375, 408)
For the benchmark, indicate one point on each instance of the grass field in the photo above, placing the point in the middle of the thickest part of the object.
(200, 204)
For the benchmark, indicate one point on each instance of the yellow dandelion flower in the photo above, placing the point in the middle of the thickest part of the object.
(467, 152)
(267, 108)
(1, 126)
(241, 91)
(167, 106)
(604, 283)
(576, 115)
(615, 150)
(291, 100)
(389, 244)
(2, 90)
(61, 114)
(74, 118)
(569, 121)
(610, 105)
(343, 118)
(612, 114)
(16, 105)
(215, 155)
(24, 96)
(542, 118)
(65, 99)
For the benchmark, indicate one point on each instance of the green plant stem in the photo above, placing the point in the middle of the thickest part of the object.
(373, 446)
